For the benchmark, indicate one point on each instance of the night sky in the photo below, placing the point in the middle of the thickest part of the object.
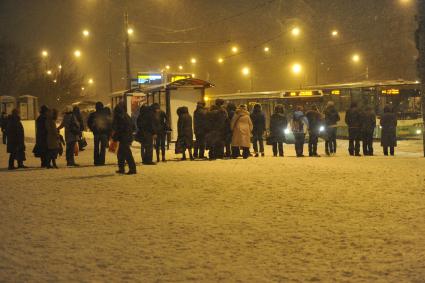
(380, 31)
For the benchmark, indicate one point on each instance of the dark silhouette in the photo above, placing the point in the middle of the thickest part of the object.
(353, 119)
(331, 119)
(278, 125)
(259, 127)
(389, 131)
(40, 148)
(99, 122)
(200, 128)
(185, 132)
(15, 141)
(367, 130)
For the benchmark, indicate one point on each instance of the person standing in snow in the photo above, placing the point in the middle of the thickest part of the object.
(162, 127)
(367, 130)
(123, 128)
(40, 148)
(15, 140)
(147, 131)
(278, 125)
(99, 122)
(53, 140)
(389, 130)
(353, 119)
(3, 125)
(185, 132)
(72, 135)
(200, 128)
(331, 119)
(242, 127)
(314, 118)
(299, 126)
(231, 109)
(217, 129)
(259, 122)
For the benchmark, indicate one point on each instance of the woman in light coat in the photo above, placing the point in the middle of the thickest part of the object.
(241, 126)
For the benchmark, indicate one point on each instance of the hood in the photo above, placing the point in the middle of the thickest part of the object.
(99, 106)
(242, 112)
(298, 114)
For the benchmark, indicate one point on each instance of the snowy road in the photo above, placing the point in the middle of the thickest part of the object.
(261, 220)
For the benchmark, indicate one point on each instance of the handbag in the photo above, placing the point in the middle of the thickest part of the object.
(180, 146)
(82, 143)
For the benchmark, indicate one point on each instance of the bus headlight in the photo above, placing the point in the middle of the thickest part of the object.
(418, 131)
(321, 129)
(287, 131)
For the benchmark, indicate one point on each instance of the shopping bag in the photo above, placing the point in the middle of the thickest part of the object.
(113, 146)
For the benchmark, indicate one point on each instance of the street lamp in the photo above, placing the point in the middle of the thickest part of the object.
(356, 58)
(246, 71)
(60, 67)
(86, 33)
(130, 31)
(296, 31)
(220, 60)
(77, 53)
(180, 67)
(193, 60)
(266, 49)
(44, 53)
(335, 33)
(235, 49)
(91, 81)
(297, 69)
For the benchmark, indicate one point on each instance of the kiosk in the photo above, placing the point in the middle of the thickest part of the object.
(7, 104)
(28, 107)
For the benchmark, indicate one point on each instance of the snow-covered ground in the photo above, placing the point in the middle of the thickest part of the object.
(339, 219)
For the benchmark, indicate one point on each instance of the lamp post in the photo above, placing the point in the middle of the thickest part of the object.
(420, 45)
(246, 72)
(128, 32)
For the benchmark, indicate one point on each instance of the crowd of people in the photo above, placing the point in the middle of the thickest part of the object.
(225, 131)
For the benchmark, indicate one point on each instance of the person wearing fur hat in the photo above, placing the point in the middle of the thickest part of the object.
(242, 127)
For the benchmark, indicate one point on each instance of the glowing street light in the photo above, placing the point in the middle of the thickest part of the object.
(296, 31)
(246, 71)
(60, 67)
(77, 53)
(335, 33)
(130, 31)
(91, 81)
(180, 67)
(356, 58)
(193, 60)
(297, 69)
(44, 53)
(168, 67)
(83, 88)
(220, 60)
(235, 49)
(267, 49)
(86, 33)
(49, 72)
(193, 75)
(55, 81)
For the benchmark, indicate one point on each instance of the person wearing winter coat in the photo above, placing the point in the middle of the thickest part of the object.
(367, 130)
(122, 132)
(40, 148)
(242, 127)
(15, 140)
(53, 139)
(217, 129)
(72, 135)
(200, 128)
(99, 122)
(353, 119)
(231, 109)
(147, 131)
(185, 131)
(299, 126)
(331, 119)
(259, 122)
(3, 126)
(389, 130)
(162, 128)
(314, 119)
(278, 125)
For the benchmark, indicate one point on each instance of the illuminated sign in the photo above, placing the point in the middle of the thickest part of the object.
(390, 91)
(336, 92)
(177, 77)
(149, 79)
(301, 93)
